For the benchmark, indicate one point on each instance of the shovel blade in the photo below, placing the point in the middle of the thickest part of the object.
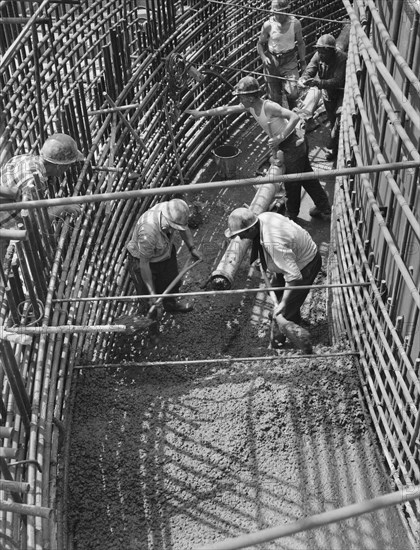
(135, 323)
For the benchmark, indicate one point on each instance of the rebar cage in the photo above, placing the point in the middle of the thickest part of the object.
(65, 66)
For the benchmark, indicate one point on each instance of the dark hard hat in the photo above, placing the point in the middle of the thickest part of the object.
(177, 212)
(326, 41)
(240, 220)
(61, 149)
(247, 85)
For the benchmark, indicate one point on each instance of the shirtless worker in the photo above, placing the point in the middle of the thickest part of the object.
(279, 123)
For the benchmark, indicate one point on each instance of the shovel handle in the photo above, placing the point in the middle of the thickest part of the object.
(171, 285)
(268, 284)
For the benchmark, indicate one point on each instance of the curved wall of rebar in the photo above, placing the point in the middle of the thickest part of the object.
(64, 67)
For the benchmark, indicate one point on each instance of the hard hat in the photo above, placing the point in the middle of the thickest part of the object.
(280, 5)
(326, 41)
(61, 149)
(177, 212)
(240, 220)
(247, 85)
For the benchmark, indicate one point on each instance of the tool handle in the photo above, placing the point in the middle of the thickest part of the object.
(183, 271)
(268, 283)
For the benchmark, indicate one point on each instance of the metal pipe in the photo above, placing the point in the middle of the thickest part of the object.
(406, 494)
(126, 195)
(27, 509)
(204, 293)
(222, 277)
(221, 360)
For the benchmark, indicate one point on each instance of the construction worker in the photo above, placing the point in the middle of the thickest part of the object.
(279, 45)
(327, 71)
(152, 254)
(279, 124)
(287, 251)
(29, 174)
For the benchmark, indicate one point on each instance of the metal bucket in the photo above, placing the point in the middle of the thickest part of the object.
(225, 158)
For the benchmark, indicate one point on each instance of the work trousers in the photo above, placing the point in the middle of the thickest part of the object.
(282, 73)
(296, 161)
(163, 274)
(297, 297)
(333, 111)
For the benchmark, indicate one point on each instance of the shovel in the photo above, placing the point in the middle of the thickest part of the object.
(136, 323)
(296, 334)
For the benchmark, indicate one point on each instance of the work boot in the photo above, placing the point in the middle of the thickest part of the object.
(315, 212)
(177, 306)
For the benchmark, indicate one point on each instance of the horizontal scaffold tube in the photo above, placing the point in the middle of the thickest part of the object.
(222, 360)
(353, 510)
(26, 509)
(127, 195)
(206, 293)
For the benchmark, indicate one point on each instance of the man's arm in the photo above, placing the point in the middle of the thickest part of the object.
(217, 111)
(311, 71)
(187, 237)
(300, 45)
(146, 274)
(262, 42)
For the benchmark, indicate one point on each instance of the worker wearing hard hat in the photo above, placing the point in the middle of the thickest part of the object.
(327, 71)
(29, 174)
(280, 44)
(279, 124)
(152, 254)
(286, 250)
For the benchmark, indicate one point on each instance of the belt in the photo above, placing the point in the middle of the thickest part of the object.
(282, 54)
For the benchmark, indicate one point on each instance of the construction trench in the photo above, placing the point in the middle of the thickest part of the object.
(221, 448)
(205, 438)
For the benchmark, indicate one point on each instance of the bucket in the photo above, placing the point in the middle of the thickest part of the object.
(225, 158)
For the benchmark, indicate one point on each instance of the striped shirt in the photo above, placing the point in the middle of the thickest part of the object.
(288, 248)
(19, 172)
(148, 240)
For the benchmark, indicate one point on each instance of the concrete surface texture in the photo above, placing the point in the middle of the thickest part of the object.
(170, 457)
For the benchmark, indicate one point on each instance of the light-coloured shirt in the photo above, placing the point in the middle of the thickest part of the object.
(148, 240)
(19, 172)
(280, 41)
(287, 247)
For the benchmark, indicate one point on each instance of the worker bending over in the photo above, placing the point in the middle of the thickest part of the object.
(152, 254)
(287, 251)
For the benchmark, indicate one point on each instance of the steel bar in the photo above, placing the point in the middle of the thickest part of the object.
(407, 494)
(127, 123)
(126, 195)
(221, 360)
(14, 486)
(65, 329)
(108, 110)
(27, 509)
(269, 12)
(205, 293)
